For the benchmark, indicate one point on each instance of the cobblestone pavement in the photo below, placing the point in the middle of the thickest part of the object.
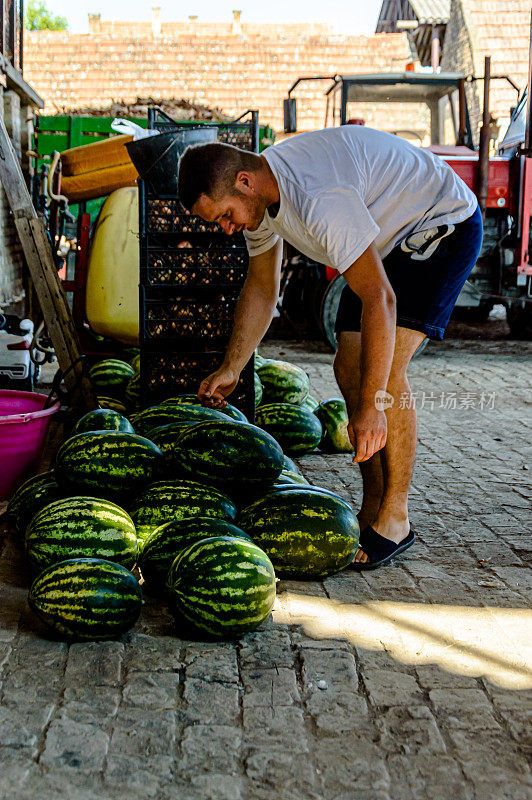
(412, 682)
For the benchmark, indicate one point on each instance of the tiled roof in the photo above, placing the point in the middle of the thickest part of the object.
(500, 29)
(253, 69)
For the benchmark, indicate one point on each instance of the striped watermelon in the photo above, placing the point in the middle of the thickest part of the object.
(333, 416)
(306, 533)
(86, 599)
(166, 542)
(234, 413)
(81, 527)
(166, 438)
(222, 586)
(310, 402)
(165, 501)
(232, 455)
(111, 402)
(283, 382)
(107, 463)
(33, 495)
(258, 389)
(166, 414)
(191, 399)
(103, 419)
(111, 376)
(135, 362)
(297, 429)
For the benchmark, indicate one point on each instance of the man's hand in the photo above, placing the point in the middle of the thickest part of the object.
(367, 431)
(214, 389)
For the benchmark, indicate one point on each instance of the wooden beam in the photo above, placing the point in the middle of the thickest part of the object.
(16, 82)
(39, 257)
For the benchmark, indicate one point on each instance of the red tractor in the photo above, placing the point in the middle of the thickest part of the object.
(502, 182)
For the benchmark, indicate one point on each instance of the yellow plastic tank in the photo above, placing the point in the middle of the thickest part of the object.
(112, 299)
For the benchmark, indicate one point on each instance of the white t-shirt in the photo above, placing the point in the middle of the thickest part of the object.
(343, 188)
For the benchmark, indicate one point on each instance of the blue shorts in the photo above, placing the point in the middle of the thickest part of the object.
(427, 271)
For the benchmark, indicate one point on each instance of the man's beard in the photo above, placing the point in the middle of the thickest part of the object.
(256, 209)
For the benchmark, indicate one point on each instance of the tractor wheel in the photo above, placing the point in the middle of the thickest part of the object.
(519, 318)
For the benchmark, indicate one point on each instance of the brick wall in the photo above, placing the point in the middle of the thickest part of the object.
(499, 28)
(11, 259)
(208, 64)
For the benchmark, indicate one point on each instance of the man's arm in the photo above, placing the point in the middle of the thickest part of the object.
(367, 278)
(254, 312)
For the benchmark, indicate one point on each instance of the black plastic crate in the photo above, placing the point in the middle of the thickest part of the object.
(187, 265)
(166, 214)
(204, 317)
(242, 132)
(166, 373)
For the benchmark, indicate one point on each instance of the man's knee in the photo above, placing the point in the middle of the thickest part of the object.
(407, 342)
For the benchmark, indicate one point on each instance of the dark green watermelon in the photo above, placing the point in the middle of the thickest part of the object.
(81, 527)
(86, 599)
(171, 500)
(307, 534)
(163, 546)
(333, 416)
(297, 429)
(107, 463)
(185, 414)
(223, 586)
(191, 399)
(283, 382)
(111, 376)
(229, 455)
(103, 419)
(33, 495)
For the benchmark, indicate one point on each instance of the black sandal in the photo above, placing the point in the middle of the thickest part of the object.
(378, 549)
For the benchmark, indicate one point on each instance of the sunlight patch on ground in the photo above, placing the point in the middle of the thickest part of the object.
(475, 641)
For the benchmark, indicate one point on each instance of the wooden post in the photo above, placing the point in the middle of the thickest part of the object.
(484, 143)
(39, 257)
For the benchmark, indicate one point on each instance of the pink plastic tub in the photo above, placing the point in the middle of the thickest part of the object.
(23, 425)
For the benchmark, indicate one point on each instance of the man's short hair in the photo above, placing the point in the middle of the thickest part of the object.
(211, 169)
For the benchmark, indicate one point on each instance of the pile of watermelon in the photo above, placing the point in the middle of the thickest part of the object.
(198, 506)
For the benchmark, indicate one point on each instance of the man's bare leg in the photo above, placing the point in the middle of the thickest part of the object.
(347, 373)
(397, 457)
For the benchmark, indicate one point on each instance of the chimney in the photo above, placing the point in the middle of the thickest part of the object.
(95, 23)
(237, 25)
(156, 21)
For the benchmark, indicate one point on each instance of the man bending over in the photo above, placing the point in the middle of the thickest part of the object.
(402, 228)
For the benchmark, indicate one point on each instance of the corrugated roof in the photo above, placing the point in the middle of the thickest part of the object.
(431, 12)
(427, 12)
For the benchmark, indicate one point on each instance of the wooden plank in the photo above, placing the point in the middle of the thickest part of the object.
(39, 257)
(13, 179)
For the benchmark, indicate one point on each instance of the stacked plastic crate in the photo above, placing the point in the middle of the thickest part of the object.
(191, 274)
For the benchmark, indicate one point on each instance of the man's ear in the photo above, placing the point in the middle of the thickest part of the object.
(244, 181)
